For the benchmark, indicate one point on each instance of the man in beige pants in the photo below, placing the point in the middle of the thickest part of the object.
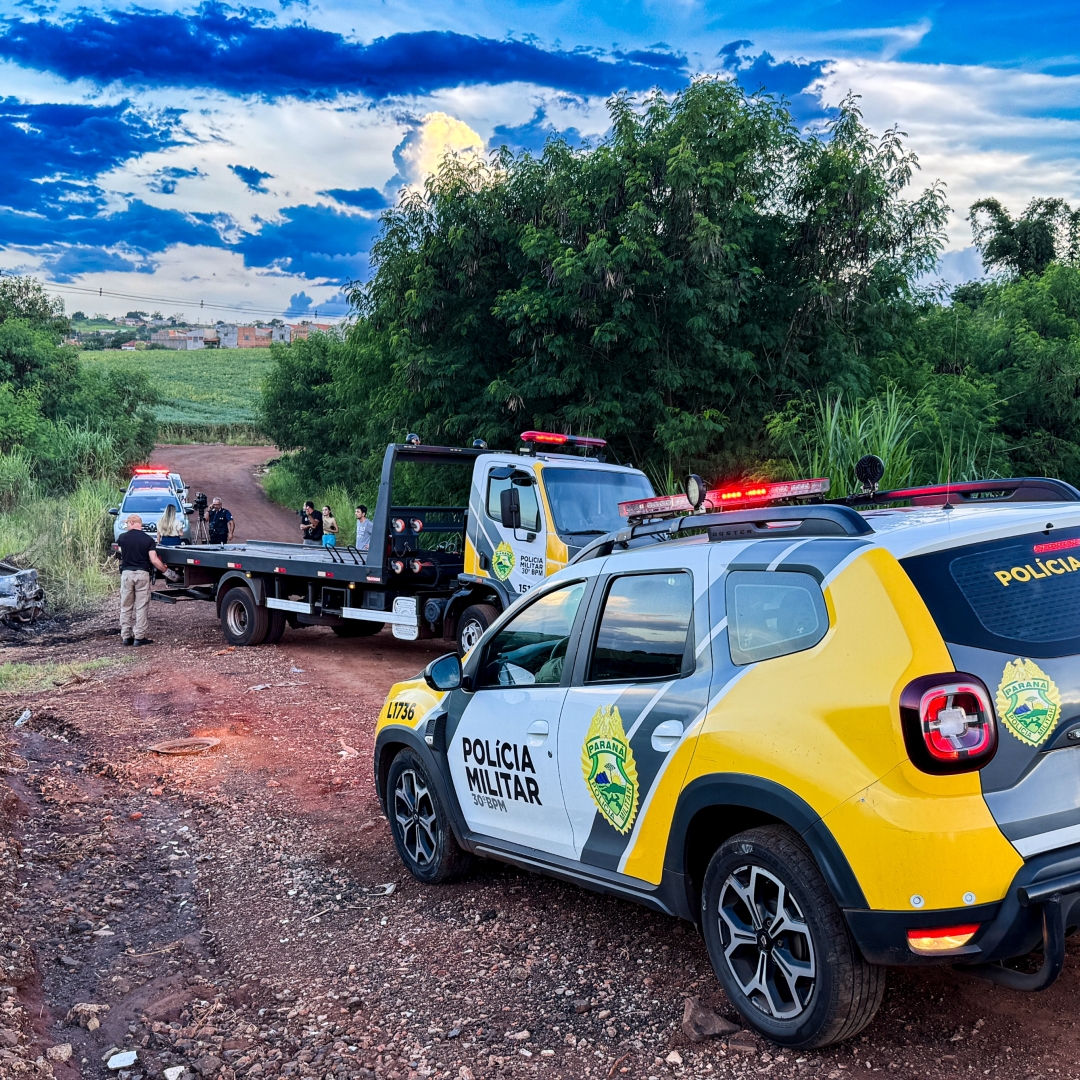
(138, 552)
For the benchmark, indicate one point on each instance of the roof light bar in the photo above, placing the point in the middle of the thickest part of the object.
(552, 438)
(729, 498)
(144, 470)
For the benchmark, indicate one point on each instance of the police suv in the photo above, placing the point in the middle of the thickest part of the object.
(837, 740)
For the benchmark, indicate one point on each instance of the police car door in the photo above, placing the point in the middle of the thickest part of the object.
(641, 680)
(502, 748)
(515, 522)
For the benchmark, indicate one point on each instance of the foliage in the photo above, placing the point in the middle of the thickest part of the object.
(48, 675)
(229, 434)
(1046, 231)
(67, 539)
(25, 298)
(286, 488)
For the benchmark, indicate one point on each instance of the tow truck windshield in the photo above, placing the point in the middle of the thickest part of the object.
(585, 502)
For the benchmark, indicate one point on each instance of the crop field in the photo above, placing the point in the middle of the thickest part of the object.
(201, 387)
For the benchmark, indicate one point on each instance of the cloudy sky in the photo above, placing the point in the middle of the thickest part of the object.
(238, 157)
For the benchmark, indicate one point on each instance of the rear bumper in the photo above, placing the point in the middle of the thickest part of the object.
(1011, 927)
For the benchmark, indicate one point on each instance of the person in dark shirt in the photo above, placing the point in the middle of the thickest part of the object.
(312, 532)
(220, 523)
(138, 553)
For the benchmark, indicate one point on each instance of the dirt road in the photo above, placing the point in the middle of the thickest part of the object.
(228, 472)
(242, 913)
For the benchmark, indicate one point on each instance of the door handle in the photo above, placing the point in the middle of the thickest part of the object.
(537, 732)
(666, 736)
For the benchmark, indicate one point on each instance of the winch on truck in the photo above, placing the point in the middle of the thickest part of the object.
(431, 571)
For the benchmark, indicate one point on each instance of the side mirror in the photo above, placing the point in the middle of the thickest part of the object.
(114, 510)
(510, 508)
(188, 508)
(444, 674)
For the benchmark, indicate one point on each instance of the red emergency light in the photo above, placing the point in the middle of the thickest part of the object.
(552, 438)
(143, 470)
(729, 498)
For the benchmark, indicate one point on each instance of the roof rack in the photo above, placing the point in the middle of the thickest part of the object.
(972, 493)
(816, 519)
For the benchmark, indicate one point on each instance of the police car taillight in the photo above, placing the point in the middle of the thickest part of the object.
(948, 723)
(941, 939)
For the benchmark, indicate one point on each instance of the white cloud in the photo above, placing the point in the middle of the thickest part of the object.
(438, 135)
(984, 131)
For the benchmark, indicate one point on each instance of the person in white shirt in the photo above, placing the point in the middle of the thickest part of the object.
(363, 529)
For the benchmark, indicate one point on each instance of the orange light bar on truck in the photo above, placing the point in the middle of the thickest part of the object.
(552, 438)
(144, 470)
(939, 939)
(727, 498)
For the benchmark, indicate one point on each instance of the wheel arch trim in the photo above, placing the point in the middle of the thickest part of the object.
(238, 577)
(740, 791)
(390, 741)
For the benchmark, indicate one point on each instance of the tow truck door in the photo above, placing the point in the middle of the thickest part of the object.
(513, 556)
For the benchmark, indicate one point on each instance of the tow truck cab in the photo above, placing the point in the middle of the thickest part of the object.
(528, 514)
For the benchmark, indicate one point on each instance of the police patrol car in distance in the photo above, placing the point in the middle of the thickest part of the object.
(835, 739)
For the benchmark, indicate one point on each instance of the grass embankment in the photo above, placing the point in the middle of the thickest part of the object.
(285, 489)
(66, 538)
(48, 676)
(208, 395)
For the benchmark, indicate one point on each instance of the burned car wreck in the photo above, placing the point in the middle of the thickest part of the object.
(22, 599)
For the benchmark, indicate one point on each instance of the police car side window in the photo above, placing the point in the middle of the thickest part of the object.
(531, 648)
(530, 509)
(644, 628)
(773, 614)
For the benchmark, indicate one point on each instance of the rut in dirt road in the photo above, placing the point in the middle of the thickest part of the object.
(229, 472)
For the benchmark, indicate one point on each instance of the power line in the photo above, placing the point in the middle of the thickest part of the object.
(188, 305)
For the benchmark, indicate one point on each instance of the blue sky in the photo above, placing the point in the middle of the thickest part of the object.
(240, 156)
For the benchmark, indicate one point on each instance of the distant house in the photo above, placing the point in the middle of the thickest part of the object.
(251, 337)
(199, 338)
(301, 331)
(129, 346)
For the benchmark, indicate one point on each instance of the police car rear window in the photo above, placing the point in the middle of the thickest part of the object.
(1019, 594)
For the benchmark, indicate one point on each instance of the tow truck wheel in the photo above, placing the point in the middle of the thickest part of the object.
(244, 622)
(275, 627)
(419, 823)
(779, 944)
(472, 624)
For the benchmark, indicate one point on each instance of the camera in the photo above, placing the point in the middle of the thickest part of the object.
(304, 519)
(200, 502)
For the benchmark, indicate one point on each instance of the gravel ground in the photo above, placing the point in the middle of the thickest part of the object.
(242, 913)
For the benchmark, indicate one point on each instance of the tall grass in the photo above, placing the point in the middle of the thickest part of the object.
(16, 479)
(239, 434)
(285, 488)
(67, 539)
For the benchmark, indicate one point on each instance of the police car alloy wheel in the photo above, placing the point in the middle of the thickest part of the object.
(419, 824)
(779, 944)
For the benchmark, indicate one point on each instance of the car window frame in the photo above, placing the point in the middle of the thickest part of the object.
(479, 658)
(600, 595)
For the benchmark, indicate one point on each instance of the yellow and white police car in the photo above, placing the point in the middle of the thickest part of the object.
(836, 739)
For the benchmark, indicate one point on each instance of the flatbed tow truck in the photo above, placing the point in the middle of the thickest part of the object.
(431, 571)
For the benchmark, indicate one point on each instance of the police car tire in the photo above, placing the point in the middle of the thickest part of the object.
(445, 860)
(275, 627)
(847, 990)
(483, 615)
(255, 619)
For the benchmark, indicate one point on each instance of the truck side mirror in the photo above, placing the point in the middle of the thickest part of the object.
(114, 510)
(444, 674)
(510, 508)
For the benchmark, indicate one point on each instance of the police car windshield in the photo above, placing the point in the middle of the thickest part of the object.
(148, 502)
(586, 501)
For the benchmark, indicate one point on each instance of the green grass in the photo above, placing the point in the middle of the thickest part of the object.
(48, 675)
(201, 387)
(66, 538)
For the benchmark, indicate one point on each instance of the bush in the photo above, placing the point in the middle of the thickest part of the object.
(16, 479)
(67, 539)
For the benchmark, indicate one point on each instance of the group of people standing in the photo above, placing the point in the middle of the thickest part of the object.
(319, 528)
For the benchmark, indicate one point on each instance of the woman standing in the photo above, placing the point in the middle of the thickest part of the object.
(170, 528)
(329, 524)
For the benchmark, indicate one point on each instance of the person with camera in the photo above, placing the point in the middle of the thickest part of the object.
(220, 523)
(311, 525)
(138, 553)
